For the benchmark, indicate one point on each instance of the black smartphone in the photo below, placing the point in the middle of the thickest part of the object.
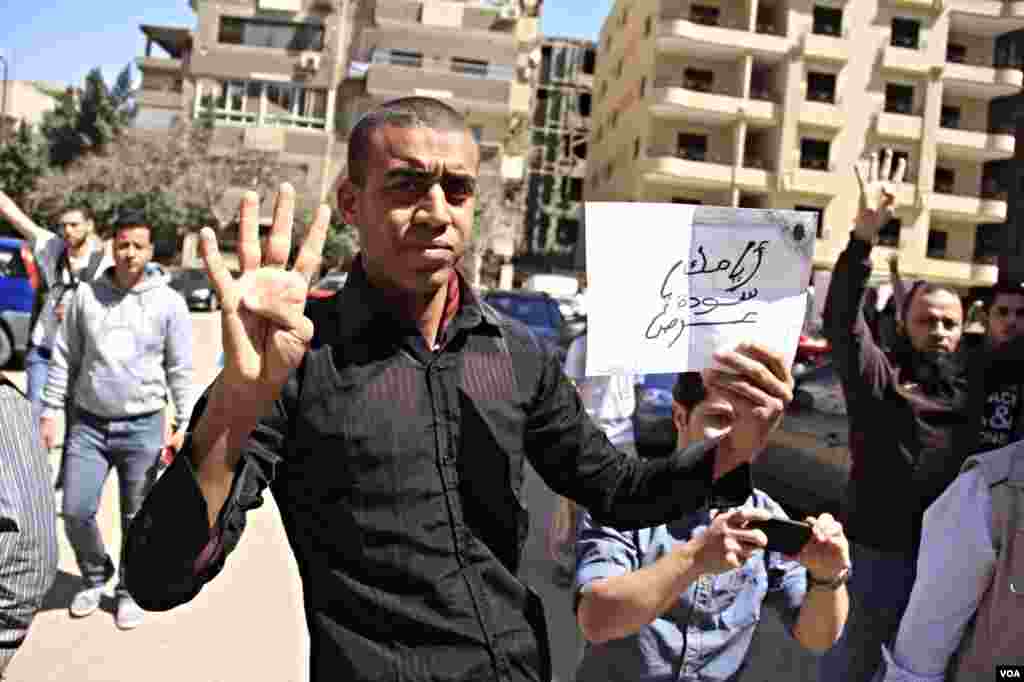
(784, 535)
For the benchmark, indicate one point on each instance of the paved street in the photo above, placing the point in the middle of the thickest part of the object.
(248, 624)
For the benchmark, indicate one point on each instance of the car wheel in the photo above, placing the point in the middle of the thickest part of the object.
(214, 302)
(6, 348)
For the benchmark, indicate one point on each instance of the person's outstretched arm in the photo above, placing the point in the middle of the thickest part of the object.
(195, 513)
(25, 226)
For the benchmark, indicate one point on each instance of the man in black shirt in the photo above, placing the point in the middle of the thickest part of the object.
(392, 425)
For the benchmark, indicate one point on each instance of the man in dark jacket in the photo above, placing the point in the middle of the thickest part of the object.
(393, 425)
(905, 405)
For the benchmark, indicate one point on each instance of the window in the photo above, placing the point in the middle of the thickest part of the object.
(643, 87)
(889, 235)
(403, 58)
(540, 108)
(906, 33)
(704, 14)
(828, 21)
(820, 220)
(283, 104)
(700, 80)
(950, 117)
(692, 147)
(647, 27)
(584, 104)
(821, 87)
(945, 181)
(987, 241)
(766, 19)
(568, 231)
(899, 99)
(937, 240)
(276, 34)
(469, 67)
(956, 53)
(589, 60)
(575, 189)
(814, 154)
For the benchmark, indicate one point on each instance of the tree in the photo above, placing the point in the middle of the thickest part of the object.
(179, 180)
(497, 217)
(22, 163)
(89, 121)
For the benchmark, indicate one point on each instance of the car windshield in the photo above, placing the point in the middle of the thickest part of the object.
(533, 312)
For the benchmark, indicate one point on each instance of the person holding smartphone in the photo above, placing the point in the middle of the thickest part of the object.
(681, 601)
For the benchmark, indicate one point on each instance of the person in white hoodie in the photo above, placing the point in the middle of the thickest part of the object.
(127, 339)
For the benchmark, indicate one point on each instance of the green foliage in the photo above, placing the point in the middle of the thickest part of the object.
(91, 121)
(23, 161)
(342, 243)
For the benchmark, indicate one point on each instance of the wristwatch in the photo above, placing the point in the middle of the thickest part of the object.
(833, 585)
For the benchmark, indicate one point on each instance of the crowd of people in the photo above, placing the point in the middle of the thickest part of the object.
(392, 424)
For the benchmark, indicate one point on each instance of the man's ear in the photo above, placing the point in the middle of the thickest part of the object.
(679, 417)
(347, 196)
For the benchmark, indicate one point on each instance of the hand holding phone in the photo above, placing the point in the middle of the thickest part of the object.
(784, 535)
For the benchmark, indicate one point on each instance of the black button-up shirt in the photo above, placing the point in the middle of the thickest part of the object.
(398, 471)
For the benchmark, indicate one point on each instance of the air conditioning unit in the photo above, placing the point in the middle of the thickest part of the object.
(310, 61)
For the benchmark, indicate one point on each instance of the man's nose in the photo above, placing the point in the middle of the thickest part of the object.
(434, 207)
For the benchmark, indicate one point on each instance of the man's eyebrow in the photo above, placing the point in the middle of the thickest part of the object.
(424, 174)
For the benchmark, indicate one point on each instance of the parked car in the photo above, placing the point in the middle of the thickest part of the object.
(328, 285)
(17, 294)
(536, 310)
(807, 462)
(195, 286)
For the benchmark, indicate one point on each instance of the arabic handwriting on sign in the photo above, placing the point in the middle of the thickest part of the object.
(679, 311)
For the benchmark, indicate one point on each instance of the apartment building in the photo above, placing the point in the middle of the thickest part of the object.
(27, 101)
(293, 76)
(556, 160)
(769, 103)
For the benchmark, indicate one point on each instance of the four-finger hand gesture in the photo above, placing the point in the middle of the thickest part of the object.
(264, 331)
(877, 193)
(827, 553)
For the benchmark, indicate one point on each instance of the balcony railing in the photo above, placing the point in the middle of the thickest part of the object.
(687, 154)
(694, 85)
(824, 96)
(501, 72)
(730, 22)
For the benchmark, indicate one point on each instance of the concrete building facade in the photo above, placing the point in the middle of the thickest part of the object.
(768, 104)
(293, 76)
(27, 101)
(557, 156)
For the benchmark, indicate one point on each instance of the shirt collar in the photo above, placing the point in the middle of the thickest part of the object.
(364, 306)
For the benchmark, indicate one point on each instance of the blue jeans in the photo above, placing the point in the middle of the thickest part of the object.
(879, 591)
(95, 444)
(37, 365)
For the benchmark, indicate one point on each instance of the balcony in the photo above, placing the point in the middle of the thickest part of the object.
(671, 100)
(958, 273)
(981, 81)
(488, 90)
(753, 177)
(972, 145)
(475, 19)
(986, 17)
(818, 112)
(899, 126)
(822, 181)
(906, 60)
(158, 64)
(827, 48)
(159, 99)
(989, 208)
(926, 5)
(668, 166)
(677, 35)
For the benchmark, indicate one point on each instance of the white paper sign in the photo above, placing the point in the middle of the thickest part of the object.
(669, 284)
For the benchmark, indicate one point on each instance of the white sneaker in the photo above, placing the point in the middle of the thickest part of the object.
(86, 602)
(129, 614)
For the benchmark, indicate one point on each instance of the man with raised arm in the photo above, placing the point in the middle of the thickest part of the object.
(906, 405)
(392, 423)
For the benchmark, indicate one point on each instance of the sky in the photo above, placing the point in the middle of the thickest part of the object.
(61, 40)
